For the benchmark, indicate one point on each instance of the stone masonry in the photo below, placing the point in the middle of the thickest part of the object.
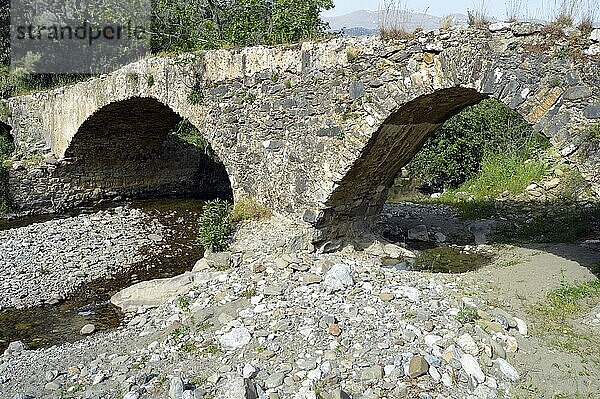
(315, 131)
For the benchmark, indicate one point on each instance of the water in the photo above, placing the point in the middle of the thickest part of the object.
(450, 260)
(49, 325)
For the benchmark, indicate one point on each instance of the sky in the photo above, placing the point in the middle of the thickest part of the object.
(495, 8)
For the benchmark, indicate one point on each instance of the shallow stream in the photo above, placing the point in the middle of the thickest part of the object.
(49, 325)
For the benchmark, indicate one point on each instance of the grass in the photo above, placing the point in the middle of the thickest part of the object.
(556, 314)
(247, 208)
(394, 19)
(503, 173)
(468, 314)
(558, 225)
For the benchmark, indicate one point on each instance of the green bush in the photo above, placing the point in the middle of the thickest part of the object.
(216, 225)
(6, 148)
(455, 153)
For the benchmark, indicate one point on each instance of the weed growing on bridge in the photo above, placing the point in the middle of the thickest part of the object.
(216, 225)
(195, 96)
(248, 209)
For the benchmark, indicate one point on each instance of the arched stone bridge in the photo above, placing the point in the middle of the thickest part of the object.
(316, 131)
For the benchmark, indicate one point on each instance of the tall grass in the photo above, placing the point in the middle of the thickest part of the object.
(395, 18)
(513, 10)
(479, 16)
(503, 173)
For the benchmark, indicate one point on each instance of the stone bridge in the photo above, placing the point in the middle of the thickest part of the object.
(315, 131)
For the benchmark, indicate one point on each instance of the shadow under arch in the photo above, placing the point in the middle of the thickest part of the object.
(128, 148)
(354, 206)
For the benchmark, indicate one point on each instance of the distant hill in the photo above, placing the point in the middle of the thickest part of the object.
(365, 22)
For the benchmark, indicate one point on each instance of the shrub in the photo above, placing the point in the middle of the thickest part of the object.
(456, 151)
(216, 225)
(6, 148)
(190, 134)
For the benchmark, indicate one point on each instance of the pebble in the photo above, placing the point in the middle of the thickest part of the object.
(338, 278)
(236, 338)
(472, 368)
(507, 369)
(418, 366)
(88, 329)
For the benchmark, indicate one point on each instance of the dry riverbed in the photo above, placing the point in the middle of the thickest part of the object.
(268, 321)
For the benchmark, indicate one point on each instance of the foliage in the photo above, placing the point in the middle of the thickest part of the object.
(456, 151)
(248, 209)
(468, 314)
(6, 148)
(216, 225)
(555, 316)
(189, 133)
(502, 173)
(184, 25)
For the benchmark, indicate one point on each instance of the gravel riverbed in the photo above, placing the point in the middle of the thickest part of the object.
(46, 262)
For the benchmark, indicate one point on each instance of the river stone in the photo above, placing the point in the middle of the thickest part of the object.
(507, 369)
(338, 278)
(15, 347)
(371, 373)
(150, 294)
(467, 344)
(237, 388)
(274, 380)
(417, 367)
(577, 93)
(418, 233)
(131, 395)
(87, 329)
(497, 350)
(176, 388)
(236, 338)
(52, 386)
(595, 35)
(339, 394)
(521, 326)
(472, 368)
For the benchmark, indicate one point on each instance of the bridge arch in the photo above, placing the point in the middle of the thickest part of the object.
(130, 148)
(354, 206)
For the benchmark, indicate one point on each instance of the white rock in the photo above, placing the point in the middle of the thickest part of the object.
(595, 35)
(237, 388)
(507, 369)
(434, 373)
(235, 339)
(98, 378)
(152, 293)
(521, 326)
(431, 340)
(131, 395)
(447, 379)
(338, 278)
(472, 368)
(248, 370)
(411, 293)
(593, 50)
(176, 388)
(498, 26)
(468, 345)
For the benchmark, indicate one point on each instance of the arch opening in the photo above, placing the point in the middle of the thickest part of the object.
(135, 149)
(512, 167)
(356, 203)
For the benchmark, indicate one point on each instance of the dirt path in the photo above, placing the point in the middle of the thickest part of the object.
(517, 281)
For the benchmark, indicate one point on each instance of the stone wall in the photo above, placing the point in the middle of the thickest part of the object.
(317, 131)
